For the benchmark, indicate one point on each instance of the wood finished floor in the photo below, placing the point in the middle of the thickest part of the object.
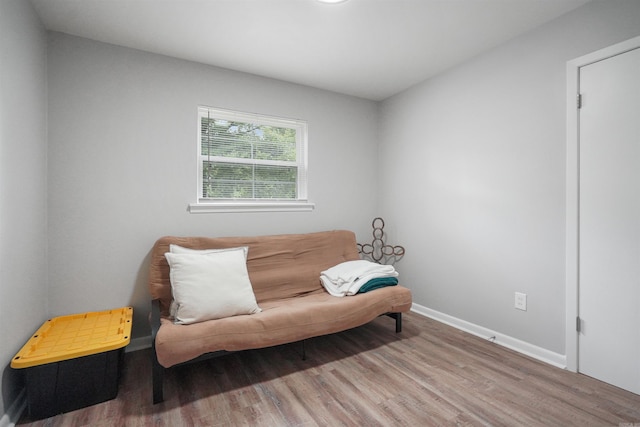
(430, 374)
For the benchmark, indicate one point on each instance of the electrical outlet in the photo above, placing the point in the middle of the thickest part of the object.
(521, 301)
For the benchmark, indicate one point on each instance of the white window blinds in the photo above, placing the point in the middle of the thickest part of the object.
(245, 156)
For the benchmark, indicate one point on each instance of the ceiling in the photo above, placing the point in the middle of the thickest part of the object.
(367, 48)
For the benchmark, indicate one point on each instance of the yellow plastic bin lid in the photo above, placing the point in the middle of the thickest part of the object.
(76, 335)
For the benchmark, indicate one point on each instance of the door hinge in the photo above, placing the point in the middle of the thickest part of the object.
(578, 322)
(579, 100)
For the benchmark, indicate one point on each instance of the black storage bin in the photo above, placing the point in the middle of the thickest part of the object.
(72, 384)
(74, 361)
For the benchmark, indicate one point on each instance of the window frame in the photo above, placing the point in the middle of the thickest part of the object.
(299, 204)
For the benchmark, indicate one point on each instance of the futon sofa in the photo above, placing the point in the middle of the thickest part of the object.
(292, 305)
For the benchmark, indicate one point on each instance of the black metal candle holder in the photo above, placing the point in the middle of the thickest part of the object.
(378, 251)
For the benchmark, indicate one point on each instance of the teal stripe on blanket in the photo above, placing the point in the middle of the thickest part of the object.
(378, 283)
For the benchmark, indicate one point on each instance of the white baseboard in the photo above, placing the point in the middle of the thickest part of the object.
(539, 353)
(138, 344)
(14, 412)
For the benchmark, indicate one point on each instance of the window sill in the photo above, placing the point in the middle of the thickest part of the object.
(237, 207)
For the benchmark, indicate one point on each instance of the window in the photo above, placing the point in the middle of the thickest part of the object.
(250, 162)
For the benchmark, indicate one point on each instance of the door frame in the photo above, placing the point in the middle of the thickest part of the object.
(573, 192)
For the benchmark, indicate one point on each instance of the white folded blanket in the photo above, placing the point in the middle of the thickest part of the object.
(348, 277)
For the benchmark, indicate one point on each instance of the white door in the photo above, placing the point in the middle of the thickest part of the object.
(609, 221)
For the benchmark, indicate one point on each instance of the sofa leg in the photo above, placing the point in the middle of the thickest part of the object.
(398, 323)
(157, 378)
(398, 317)
(157, 370)
(304, 351)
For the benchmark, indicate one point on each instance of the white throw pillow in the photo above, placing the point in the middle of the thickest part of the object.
(176, 249)
(210, 285)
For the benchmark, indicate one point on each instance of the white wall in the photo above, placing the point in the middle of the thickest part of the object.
(23, 197)
(474, 176)
(122, 162)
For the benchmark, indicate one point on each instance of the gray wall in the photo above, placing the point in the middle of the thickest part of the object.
(122, 165)
(474, 176)
(472, 164)
(23, 189)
